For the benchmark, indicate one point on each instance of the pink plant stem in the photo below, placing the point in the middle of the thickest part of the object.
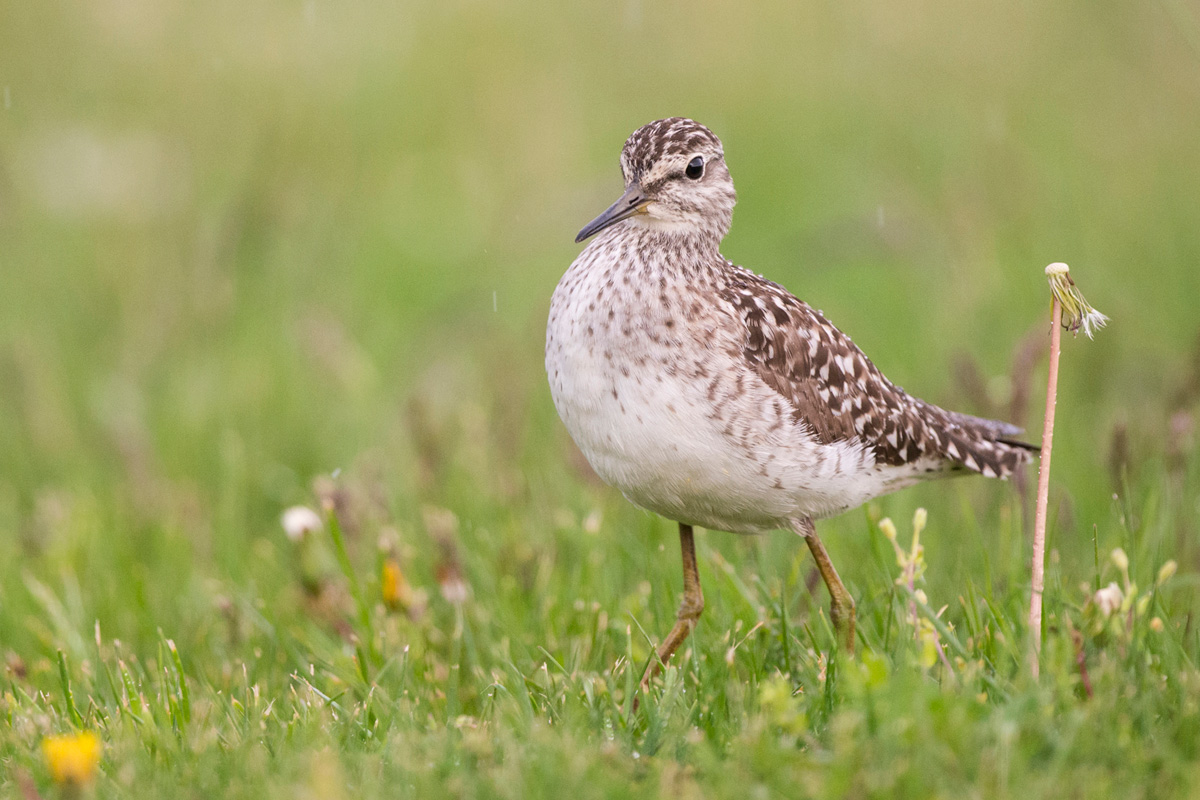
(1043, 493)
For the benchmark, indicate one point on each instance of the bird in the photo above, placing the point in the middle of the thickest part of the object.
(716, 398)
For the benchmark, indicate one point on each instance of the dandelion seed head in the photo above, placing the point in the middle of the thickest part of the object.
(299, 521)
(1076, 311)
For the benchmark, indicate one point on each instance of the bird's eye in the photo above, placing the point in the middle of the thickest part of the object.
(695, 168)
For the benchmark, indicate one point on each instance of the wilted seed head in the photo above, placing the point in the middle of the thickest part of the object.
(1077, 312)
(299, 521)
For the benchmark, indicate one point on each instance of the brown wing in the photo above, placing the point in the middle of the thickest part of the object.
(836, 391)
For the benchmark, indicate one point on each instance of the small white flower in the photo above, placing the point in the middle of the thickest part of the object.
(1109, 599)
(299, 521)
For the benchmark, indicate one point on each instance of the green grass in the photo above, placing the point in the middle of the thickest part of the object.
(302, 253)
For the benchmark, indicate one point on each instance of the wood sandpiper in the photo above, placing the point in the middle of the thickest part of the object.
(716, 398)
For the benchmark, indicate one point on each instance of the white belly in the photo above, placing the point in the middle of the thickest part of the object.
(645, 435)
(666, 409)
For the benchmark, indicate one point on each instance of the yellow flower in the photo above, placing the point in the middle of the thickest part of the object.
(72, 757)
(394, 588)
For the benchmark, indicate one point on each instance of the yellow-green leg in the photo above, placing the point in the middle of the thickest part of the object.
(689, 609)
(841, 609)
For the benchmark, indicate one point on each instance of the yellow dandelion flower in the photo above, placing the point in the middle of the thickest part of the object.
(393, 586)
(72, 757)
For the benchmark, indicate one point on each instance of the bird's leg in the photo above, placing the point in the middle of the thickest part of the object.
(841, 609)
(689, 609)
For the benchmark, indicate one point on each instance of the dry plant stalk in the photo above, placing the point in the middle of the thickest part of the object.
(1068, 310)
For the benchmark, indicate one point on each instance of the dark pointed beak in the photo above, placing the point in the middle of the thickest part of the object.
(631, 203)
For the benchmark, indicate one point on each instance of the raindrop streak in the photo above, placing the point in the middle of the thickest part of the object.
(494, 308)
(7, 99)
(633, 14)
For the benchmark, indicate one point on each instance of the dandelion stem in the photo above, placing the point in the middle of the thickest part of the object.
(1043, 492)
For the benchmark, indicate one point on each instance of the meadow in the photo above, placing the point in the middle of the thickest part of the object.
(262, 255)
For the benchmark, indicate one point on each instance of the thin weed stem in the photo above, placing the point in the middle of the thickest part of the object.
(1043, 491)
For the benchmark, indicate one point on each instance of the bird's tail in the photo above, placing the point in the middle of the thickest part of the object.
(986, 446)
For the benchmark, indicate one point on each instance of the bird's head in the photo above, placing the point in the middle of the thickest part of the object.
(676, 181)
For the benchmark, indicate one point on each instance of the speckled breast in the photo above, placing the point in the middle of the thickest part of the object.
(642, 373)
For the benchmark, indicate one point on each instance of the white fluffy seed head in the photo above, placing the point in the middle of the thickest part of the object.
(299, 521)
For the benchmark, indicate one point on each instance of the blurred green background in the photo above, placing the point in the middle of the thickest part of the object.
(245, 244)
(253, 254)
